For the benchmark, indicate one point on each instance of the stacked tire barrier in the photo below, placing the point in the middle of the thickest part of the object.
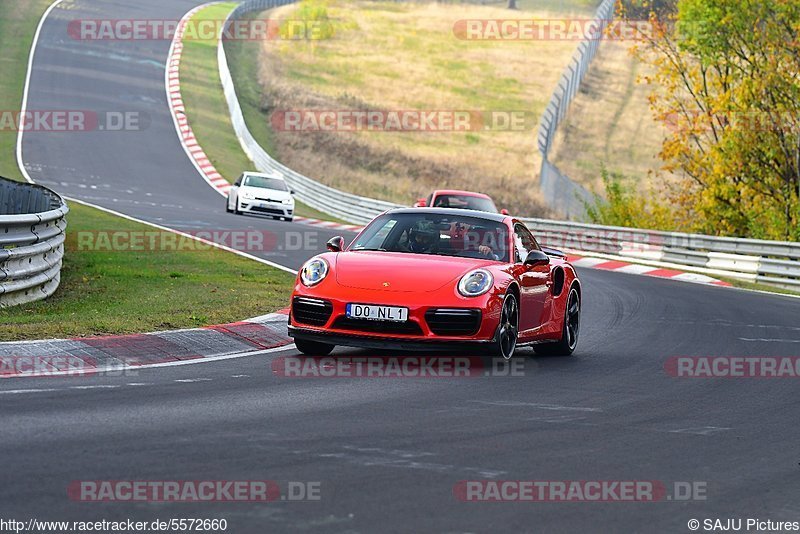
(32, 233)
(561, 193)
(345, 206)
(770, 262)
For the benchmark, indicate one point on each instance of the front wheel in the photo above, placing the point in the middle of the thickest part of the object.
(569, 331)
(313, 348)
(508, 329)
(228, 206)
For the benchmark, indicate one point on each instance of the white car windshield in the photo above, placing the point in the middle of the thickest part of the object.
(264, 182)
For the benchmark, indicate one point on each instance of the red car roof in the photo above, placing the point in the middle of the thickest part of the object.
(462, 193)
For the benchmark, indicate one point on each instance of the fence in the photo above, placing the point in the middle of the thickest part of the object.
(32, 232)
(561, 193)
(753, 260)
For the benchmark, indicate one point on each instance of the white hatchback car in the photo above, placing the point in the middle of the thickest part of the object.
(265, 194)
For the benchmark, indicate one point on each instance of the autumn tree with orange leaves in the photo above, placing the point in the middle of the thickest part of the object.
(726, 83)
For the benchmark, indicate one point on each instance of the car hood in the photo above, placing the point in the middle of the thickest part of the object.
(403, 272)
(261, 192)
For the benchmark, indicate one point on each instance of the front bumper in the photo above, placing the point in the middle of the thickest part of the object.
(387, 343)
(274, 209)
(326, 319)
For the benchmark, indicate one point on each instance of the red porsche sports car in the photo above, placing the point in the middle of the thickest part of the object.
(428, 278)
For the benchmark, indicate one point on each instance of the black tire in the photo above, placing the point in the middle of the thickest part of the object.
(569, 331)
(313, 348)
(508, 330)
(236, 207)
(226, 206)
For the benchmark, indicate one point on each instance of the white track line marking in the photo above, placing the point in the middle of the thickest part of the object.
(192, 380)
(769, 340)
(539, 406)
(19, 391)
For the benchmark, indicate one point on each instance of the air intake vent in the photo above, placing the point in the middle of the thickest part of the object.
(311, 311)
(379, 327)
(453, 321)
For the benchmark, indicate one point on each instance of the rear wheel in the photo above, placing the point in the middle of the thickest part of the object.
(508, 329)
(569, 331)
(313, 348)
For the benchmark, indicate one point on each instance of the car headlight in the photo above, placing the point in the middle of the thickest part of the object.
(248, 195)
(314, 272)
(475, 283)
(287, 201)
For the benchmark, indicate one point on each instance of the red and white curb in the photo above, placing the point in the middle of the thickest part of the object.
(646, 270)
(193, 149)
(104, 354)
(185, 133)
(329, 224)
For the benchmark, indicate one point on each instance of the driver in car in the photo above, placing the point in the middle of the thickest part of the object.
(424, 238)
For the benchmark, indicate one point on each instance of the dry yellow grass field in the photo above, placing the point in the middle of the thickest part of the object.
(405, 56)
(610, 123)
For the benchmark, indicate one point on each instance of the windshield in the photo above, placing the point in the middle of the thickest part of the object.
(464, 202)
(265, 182)
(440, 235)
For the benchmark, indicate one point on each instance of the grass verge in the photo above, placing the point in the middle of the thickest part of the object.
(104, 292)
(402, 57)
(753, 286)
(610, 124)
(208, 112)
(18, 22)
(117, 292)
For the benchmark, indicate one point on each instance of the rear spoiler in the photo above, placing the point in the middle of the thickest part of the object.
(553, 252)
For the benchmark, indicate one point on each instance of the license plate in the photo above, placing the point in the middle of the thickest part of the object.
(377, 313)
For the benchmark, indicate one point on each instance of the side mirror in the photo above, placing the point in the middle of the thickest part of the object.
(421, 203)
(504, 212)
(536, 258)
(336, 244)
(291, 191)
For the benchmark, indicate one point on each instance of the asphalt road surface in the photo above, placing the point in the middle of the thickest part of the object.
(386, 453)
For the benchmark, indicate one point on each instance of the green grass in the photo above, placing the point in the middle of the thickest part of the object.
(116, 292)
(207, 110)
(122, 292)
(404, 57)
(18, 22)
(758, 286)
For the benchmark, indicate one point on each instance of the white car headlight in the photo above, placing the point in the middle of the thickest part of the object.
(314, 272)
(475, 283)
(247, 195)
(288, 201)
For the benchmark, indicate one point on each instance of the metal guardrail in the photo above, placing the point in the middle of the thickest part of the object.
(771, 262)
(345, 206)
(561, 193)
(32, 233)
